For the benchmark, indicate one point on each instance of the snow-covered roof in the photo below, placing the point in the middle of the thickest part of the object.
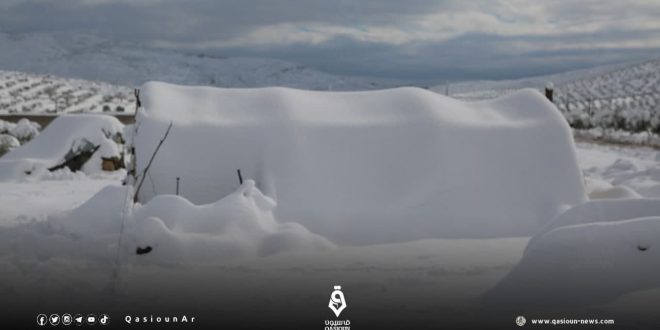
(365, 167)
(65, 134)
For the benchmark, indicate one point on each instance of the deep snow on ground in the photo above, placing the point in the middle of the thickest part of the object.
(38, 246)
(604, 250)
(26, 202)
(59, 232)
(605, 166)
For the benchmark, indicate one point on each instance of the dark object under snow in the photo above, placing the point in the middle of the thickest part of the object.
(112, 163)
(77, 156)
(549, 93)
(145, 250)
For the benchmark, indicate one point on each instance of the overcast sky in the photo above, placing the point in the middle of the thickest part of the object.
(413, 39)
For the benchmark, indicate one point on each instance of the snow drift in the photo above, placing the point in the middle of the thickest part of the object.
(366, 167)
(178, 232)
(592, 253)
(65, 134)
(606, 210)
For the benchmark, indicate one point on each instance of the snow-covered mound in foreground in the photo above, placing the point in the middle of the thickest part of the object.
(366, 167)
(178, 232)
(604, 210)
(592, 253)
(64, 136)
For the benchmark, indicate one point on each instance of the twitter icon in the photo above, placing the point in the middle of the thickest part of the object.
(54, 319)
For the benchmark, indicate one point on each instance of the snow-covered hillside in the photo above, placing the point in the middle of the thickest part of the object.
(606, 100)
(58, 73)
(615, 74)
(24, 93)
(626, 99)
(93, 58)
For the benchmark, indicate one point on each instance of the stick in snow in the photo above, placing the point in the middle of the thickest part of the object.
(144, 173)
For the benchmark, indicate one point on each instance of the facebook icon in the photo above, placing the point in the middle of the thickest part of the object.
(41, 320)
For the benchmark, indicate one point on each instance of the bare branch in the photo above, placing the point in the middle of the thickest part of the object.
(144, 172)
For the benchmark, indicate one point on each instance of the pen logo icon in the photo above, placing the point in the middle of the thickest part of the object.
(337, 301)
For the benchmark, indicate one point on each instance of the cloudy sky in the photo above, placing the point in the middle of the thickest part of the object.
(413, 39)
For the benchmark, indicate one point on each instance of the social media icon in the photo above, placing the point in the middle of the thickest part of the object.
(66, 319)
(54, 319)
(79, 319)
(42, 319)
(91, 319)
(104, 319)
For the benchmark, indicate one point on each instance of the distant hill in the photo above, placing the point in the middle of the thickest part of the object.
(63, 72)
(487, 89)
(93, 58)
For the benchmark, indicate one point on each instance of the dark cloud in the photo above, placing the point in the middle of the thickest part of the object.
(198, 20)
(422, 39)
(466, 58)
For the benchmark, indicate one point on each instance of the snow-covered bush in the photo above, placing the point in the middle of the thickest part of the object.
(7, 143)
(625, 114)
(24, 130)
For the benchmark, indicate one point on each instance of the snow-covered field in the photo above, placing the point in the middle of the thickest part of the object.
(25, 93)
(447, 274)
(534, 232)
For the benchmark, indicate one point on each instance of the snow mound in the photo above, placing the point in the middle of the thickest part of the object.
(100, 216)
(603, 210)
(366, 167)
(240, 224)
(65, 134)
(581, 264)
(178, 232)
